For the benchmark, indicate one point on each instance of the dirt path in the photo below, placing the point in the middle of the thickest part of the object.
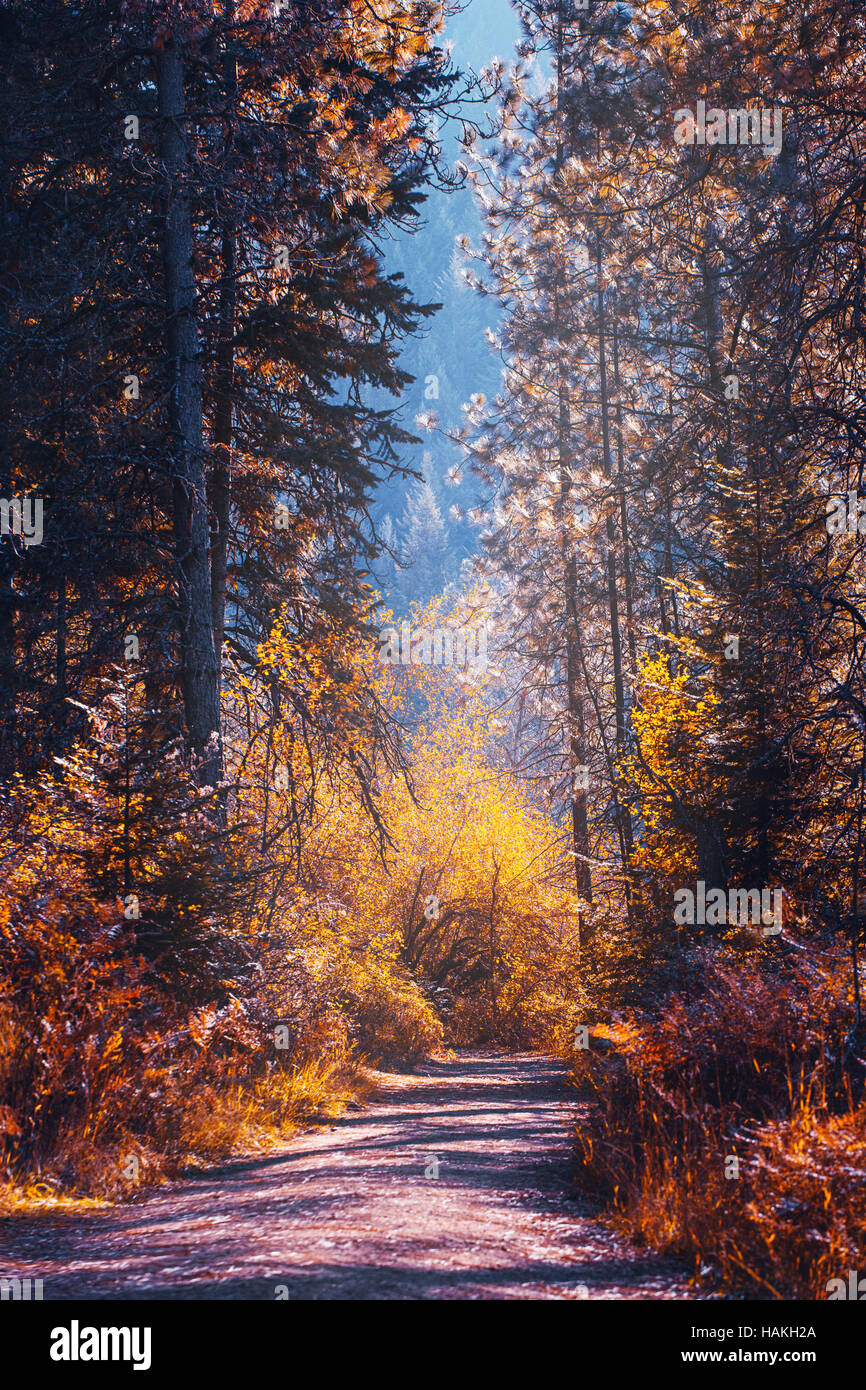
(346, 1212)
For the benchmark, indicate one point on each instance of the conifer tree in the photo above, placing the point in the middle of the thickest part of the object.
(423, 545)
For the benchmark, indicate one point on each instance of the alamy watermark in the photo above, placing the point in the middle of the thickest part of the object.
(443, 646)
(743, 126)
(77, 1343)
(737, 907)
(846, 511)
(22, 517)
(20, 1289)
(855, 1288)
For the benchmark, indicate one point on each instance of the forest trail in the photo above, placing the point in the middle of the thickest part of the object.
(345, 1211)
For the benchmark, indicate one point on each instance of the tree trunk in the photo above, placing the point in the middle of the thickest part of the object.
(199, 667)
(576, 723)
(623, 813)
(623, 508)
(8, 634)
(220, 494)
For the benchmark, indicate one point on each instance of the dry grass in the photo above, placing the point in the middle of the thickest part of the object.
(747, 1070)
(216, 1121)
(42, 1198)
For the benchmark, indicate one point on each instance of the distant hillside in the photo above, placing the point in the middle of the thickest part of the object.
(426, 522)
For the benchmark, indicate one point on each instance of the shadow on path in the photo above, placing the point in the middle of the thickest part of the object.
(353, 1210)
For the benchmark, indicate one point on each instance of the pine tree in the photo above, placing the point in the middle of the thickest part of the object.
(423, 546)
(240, 165)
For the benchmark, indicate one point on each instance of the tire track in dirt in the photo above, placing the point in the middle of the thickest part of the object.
(346, 1211)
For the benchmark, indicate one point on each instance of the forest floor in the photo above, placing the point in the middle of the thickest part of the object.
(345, 1211)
